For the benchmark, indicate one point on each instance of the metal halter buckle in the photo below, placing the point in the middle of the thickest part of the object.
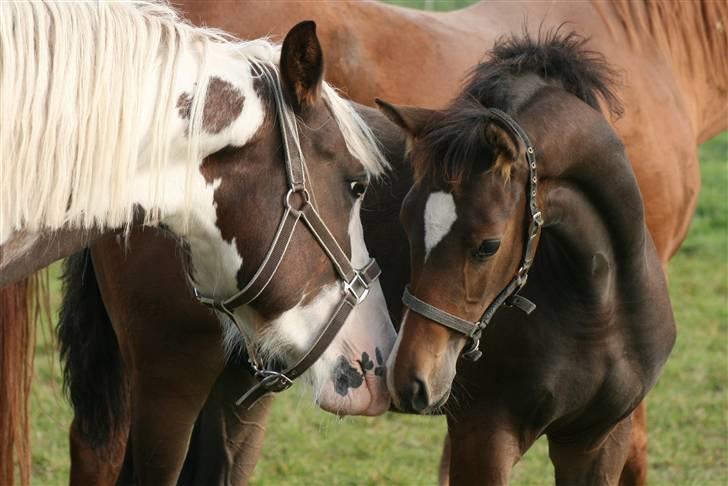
(274, 381)
(538, 219)
(350, 287)
(473, 353)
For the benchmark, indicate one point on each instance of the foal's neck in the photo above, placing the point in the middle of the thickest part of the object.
(595, 230)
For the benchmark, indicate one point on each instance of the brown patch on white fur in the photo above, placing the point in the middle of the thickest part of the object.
(223, 105)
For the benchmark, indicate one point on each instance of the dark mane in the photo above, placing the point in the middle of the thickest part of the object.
(459, 136)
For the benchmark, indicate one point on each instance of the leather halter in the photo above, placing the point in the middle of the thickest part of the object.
(509, 295)
(355, 288)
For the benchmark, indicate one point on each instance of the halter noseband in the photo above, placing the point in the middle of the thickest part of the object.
(356, 283)
(509, 295)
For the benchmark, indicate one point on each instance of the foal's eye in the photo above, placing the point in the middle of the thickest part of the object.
(357, 188)
(486, 249)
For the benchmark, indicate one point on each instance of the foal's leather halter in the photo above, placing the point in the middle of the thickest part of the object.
(509, 295)
(356, 283)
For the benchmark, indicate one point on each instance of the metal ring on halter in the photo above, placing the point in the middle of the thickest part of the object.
(287, 198)
(349, 287)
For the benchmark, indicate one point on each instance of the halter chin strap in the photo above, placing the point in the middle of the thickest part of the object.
(509, 295)
(355, 283)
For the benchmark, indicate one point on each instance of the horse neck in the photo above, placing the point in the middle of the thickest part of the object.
(587, 160)
(231, 112)
(692, 37)
(215, 104)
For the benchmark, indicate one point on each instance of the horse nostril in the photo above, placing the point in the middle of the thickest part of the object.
(419, 399)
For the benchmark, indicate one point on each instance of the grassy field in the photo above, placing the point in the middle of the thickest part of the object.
(687, 410)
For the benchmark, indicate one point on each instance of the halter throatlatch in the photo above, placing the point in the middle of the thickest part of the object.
(355, 283)
(509, 295)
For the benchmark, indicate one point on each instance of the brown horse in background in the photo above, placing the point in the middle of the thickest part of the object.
(676, 77)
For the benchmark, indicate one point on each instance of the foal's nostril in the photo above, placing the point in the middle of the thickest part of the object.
(418, 398)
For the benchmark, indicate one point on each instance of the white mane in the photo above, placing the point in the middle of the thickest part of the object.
(72, 85)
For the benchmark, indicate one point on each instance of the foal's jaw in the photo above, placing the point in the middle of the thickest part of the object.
(418, 378)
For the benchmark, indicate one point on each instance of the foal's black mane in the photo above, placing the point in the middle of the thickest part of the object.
(459, 137)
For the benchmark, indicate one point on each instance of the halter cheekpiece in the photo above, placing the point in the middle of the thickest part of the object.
(355, 283)
(509, 295)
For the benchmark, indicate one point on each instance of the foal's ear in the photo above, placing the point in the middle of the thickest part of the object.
(302, 64)
(409, 118)
(505, 145)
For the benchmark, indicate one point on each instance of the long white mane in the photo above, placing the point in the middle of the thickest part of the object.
(72, 82)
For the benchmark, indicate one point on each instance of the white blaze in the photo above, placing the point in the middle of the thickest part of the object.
(439, 217)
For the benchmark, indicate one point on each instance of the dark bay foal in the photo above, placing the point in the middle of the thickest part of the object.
(520, 177)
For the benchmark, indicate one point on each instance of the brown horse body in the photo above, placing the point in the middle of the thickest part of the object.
(373, 50)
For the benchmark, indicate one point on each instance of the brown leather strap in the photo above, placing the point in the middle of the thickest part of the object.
(509, 295)
(273, 381)
(272, 261)
(328, 242)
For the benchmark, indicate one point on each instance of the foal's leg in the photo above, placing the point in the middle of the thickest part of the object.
(484, 447)
(592, 463)
(443, 477)
(635, 470)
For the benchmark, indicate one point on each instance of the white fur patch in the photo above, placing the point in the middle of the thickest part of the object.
(439, 217)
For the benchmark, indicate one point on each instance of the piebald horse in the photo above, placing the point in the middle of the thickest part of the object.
(524, 200)
(122, 118)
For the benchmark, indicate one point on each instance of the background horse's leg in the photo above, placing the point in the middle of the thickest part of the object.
(19, 305)
(635, 469)
(595, 463)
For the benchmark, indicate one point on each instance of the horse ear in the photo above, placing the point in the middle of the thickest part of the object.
(503, 141)
(302, 64)
(411, 119)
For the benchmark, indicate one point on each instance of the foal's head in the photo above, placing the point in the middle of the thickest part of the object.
(464, 219)
(469, 214)
(232, 235)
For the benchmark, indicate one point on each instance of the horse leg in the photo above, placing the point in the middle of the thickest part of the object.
(228, 439)
(169, 388)
(587, 463)
(443, 476)
(171, 347)
(635, 470)
(484, 447)
(89, 465)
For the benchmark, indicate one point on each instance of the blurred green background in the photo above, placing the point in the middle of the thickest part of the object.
(687, 409)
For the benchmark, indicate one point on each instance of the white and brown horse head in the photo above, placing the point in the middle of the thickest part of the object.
(297, 117)
(195, 129)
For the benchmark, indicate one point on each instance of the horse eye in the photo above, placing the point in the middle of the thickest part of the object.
(357, 188)
(486, 249)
